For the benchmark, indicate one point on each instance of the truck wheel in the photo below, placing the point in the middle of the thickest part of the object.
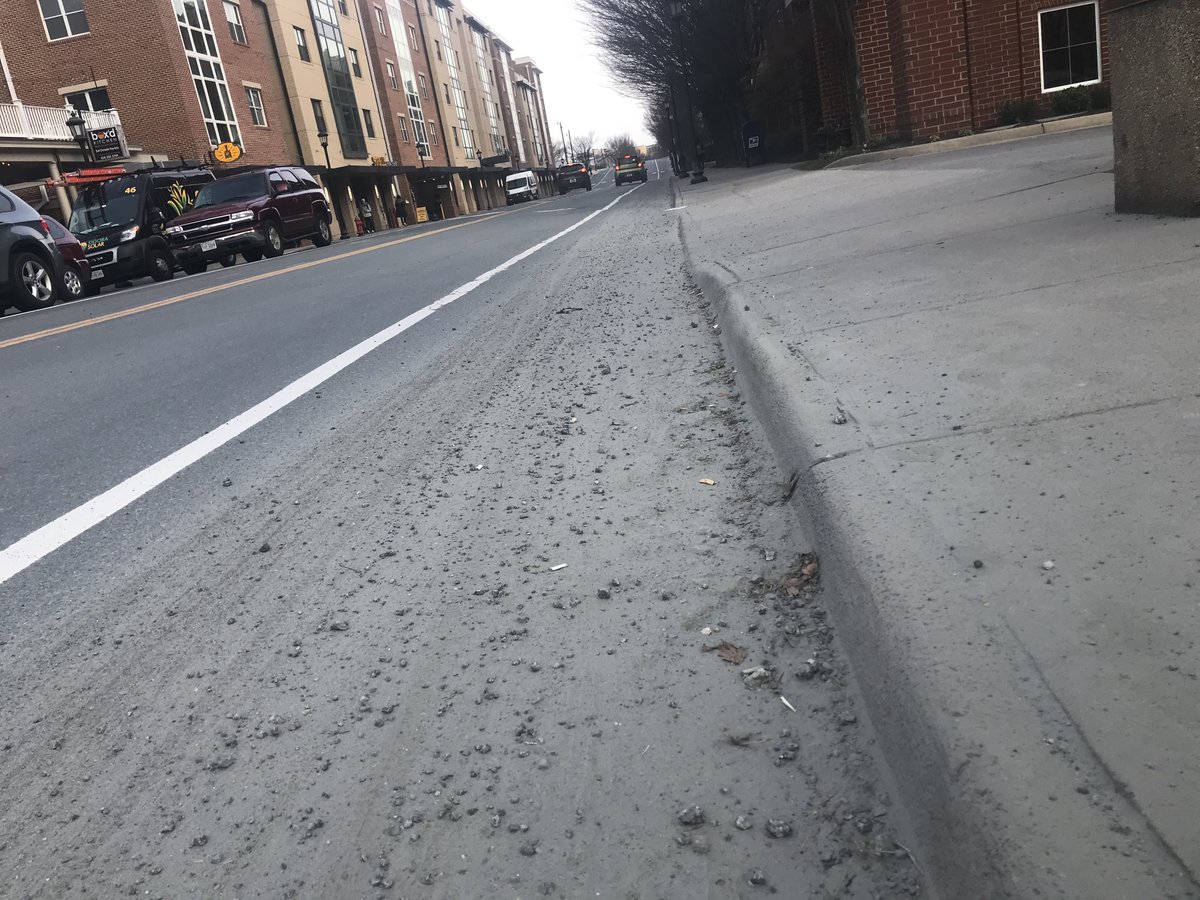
(251, 255)
(323, 237)
(194, 266)
(160, 264)
(274, 245)
(32, 282)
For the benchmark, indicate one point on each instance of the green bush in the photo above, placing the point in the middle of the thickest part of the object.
(1023, 111)
(1101, 96)
(1071, 100)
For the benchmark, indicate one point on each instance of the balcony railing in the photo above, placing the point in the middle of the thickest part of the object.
(47, 123)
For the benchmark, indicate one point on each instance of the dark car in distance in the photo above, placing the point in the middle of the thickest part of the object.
(30, 264)
(77, 271)
(573, 175)
(257, 213)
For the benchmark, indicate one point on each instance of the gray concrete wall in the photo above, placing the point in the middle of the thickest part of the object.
(1154, 48)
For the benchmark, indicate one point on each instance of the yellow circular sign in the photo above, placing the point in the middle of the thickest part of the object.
(228, 152)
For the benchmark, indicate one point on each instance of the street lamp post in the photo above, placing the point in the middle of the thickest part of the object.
(677, 9)
(78, 128)
(323, 137)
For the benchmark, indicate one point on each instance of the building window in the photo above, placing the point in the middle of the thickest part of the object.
(258, 114)
(342, 7)
(403, 129)
(354, 64)
(454, 130)
(391, 72)
(369, 123)
(339, 78)
(319, 116)
(1070, 46)
(94, 99)
(433, 132)
(233, 15)
(379, 21)
(208, 75)
(446, 88)
(424, 86)
(63, 18)
(301, 43)
(412, 37)
(437, 46)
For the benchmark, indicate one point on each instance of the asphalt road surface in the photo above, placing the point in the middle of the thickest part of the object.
(389, 569)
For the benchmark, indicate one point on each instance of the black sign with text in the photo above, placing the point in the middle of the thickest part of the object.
(106, 143)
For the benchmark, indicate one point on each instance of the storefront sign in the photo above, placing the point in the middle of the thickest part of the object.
(106, 143)
(422, 214)
(227, 152)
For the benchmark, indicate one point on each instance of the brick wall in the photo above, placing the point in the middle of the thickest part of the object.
(937, 67)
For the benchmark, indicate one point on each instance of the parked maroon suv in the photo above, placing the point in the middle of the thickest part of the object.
(256, 214)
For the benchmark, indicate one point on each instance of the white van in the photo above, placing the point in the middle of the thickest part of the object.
(521, 186)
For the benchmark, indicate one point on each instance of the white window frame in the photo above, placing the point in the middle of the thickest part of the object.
(355, 62)
(424, 85)
(404, 129)
(206, 68)
(379, 20)
(412, 37)
(1095, 4)
(87, 90)
(303, 48)
(235, 28)
(62, 14)
(391, 74)
(259, 110)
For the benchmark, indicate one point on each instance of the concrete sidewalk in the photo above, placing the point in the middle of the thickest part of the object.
(1008, 518)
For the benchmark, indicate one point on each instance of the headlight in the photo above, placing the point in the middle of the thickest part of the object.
(129, 234)
(173, 229)
(242, 216)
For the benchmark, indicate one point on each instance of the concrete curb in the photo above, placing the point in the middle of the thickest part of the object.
(987, 138)
(972, 737)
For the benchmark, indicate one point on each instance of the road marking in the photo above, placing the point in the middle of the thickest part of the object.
(657, 173)
(675, 208)
(19, 556)
(203, 292)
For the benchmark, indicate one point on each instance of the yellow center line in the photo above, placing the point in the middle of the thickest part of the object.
(158, 304)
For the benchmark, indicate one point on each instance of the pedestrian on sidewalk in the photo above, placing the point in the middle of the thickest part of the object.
(401, 211)
(367, 214)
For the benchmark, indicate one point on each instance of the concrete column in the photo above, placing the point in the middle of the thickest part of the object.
(1154, 52)
(64, 202)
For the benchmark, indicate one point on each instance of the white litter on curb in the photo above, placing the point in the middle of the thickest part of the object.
(19, 556)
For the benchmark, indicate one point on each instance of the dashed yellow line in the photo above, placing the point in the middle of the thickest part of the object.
(203, 292)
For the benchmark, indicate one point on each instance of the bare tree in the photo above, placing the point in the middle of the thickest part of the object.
(621, 145)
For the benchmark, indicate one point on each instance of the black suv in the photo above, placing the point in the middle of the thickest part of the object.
(30, 265)
(574, 175)
(255, 213)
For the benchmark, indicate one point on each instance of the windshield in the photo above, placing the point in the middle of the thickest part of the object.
(517, 183)
(113, 203)
(240, 187)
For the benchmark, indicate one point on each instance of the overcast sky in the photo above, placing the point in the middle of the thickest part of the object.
(579, 90)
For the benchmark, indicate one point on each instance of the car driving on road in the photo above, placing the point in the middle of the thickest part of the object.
(573, 175)
(30, 264)
(629, 168)
(255, 213)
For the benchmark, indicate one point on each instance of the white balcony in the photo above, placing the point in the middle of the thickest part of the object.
(47, 123)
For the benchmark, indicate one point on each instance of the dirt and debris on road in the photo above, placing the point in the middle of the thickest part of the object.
(467, 667)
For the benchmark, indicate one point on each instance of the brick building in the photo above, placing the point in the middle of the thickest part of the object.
(938, 67)
(383, 99)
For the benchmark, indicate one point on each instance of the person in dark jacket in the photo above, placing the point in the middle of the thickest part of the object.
(367, 214)
(401, 211)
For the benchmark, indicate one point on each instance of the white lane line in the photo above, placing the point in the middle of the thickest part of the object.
(657, 173)
(19, 556)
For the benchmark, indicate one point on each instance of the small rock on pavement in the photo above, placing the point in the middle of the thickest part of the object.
(743, 823)
(265, 548)
(779, 828)
(758, 877)
(340, 625)
(700, 844)
(543, 763)
(1048, 565)
(691, 815)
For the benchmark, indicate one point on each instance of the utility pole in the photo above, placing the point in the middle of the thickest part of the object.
(562, 135)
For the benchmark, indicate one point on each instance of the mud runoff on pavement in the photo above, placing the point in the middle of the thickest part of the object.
(540, 625)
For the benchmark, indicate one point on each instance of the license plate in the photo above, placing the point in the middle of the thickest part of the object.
(207, 246)
(97, 274)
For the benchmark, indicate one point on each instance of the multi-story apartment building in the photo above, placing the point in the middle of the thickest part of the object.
(413, 100)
